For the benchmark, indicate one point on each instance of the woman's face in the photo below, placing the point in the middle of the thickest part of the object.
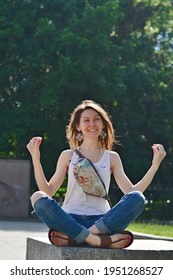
(90, 123)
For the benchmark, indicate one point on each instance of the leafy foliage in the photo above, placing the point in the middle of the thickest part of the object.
(54, 54)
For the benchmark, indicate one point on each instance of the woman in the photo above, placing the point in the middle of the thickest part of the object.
(83, 218)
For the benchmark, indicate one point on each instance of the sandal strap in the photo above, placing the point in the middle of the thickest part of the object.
(106, 241)
(50, 234)
(72, 242)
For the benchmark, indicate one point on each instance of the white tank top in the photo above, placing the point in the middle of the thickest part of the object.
(76, 200)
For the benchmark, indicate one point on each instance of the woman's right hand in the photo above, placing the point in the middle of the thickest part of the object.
(34, 147)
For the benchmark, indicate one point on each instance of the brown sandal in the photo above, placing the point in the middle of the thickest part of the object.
(68, 241)
(106, 240)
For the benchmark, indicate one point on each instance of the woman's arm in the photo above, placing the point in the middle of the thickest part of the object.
(62, 165)
(123, 181)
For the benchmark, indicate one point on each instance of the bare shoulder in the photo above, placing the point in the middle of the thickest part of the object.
(115, 159)
(65, 156)
(67, 153)
(114, 155)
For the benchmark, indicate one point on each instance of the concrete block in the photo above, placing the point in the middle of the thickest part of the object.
(39, 249)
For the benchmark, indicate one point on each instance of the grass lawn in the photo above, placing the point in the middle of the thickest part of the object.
(156, 229)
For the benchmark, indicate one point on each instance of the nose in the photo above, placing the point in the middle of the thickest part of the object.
(92, 123)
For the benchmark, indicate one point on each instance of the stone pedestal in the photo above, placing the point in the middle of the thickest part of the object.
(41, 249)
(14, 188)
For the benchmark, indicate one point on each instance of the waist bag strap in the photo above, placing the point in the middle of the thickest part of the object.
(81, 156)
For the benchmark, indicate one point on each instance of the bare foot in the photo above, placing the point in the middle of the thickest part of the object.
(119, 240)
(58, 238)
(93, 229)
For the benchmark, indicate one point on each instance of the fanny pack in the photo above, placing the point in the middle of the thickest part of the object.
(88, 178)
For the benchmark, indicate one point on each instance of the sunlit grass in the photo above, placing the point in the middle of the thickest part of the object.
(156, 229)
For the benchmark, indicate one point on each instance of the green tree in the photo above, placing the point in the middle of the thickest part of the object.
(54, 54)
(143, 99)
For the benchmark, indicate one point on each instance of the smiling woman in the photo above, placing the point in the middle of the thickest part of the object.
(90, 123)
(80, 115)
(85, 218)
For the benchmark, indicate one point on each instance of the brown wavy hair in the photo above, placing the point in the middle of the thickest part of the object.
(71, 130)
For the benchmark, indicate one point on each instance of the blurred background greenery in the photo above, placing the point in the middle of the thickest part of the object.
(56, 53)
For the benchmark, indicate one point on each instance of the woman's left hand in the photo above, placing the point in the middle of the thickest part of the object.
(158, 154)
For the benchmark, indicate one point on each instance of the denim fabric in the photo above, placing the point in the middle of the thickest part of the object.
(86, 221)
(76, 226)
(53, 216)
(122, 214)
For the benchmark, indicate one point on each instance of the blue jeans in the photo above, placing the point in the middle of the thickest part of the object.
(76, 226)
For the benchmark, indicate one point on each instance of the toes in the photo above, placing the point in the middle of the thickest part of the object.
(58, 239)
(122, 240)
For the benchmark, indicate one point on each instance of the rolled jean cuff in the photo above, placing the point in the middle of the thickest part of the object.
(101, 227)
(82, 235)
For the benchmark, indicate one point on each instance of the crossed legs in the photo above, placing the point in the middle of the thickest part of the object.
(67, 229)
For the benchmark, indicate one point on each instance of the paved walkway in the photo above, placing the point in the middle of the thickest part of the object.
(13, 236)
